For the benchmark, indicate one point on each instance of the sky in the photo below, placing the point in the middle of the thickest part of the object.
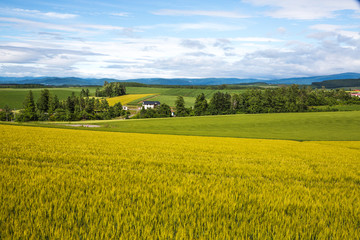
(122, 39)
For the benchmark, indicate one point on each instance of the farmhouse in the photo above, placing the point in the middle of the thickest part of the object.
(150, 104)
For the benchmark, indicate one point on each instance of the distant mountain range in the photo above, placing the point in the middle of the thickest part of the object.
(58, 81)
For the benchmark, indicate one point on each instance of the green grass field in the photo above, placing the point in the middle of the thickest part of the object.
(185, 92)
(14, 97)
(170, 100)
(319, 126)
(169, 95)
(353, 107)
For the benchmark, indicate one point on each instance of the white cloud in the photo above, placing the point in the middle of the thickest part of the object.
(38, 14)
(300, 59)
(35, 24)
(330, 27)
(193, 44)
(208, 26)
(330, 30)
(195, 26)
(100, 27)
(281, 30)
(94, 29)
(256, 39)
(305, 9)
(120, 14)
(223, 14)
(126, 58)
(13, 56)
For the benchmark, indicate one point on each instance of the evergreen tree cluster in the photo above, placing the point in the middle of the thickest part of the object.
(285, 99)
(271, 100)
(74, 108)
(181, 110)
(113, 89)
(6, 114)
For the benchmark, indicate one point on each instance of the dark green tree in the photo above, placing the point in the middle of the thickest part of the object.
(201, 105)
(111, 90)
(29, 111)
(54, 104)
(181, 110)
(220, 103)
(142, 113)
(6, 114)
(90, 105)
(163, 110)
(82, 93)
(98, 93)
(43, 102)
(117, 108)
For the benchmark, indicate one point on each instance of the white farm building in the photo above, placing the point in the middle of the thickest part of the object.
(150, 104)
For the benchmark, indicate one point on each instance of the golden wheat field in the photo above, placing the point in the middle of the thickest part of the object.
(78, 184)
(125, 99)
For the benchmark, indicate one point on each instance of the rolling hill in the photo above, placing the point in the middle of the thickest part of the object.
(58, 81)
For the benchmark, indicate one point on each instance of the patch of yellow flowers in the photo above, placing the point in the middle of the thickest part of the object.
(125, 99)
(73, 184)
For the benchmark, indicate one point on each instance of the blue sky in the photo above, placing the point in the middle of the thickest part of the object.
(171, 39)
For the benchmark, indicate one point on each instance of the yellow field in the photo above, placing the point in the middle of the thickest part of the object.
(125, 99)
(78, 184)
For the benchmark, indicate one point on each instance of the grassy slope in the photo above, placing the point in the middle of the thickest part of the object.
(170, 100)
(169, 95)
(327, 126)
(15, 97)
(341, 107)
(185, 92)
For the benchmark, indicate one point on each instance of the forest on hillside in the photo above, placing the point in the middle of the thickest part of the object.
(271, 100)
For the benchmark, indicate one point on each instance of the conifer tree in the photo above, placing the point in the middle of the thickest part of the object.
(29, 112)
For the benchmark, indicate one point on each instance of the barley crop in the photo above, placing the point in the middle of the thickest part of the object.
(78, 184)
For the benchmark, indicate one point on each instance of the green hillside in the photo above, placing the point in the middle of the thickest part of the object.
(185, 92)
(322, 126)
(341, 83)
(14, 97)
(169, 95)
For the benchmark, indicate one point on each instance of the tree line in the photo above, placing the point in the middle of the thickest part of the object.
(73, 108)
(340, 83)
(271, 100)
(112, 89)
(161, 111)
